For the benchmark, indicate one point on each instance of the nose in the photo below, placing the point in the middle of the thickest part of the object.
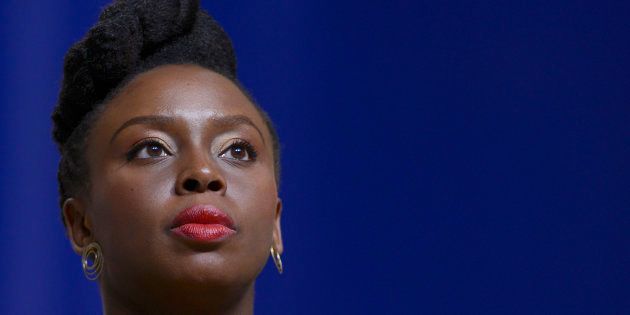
(200, 176)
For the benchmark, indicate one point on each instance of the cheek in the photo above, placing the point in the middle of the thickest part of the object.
(256, 197)
(128, 207)
(258, 212)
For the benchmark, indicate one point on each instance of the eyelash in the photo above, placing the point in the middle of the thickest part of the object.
(251, 151)
(252, 154)
(145, 143)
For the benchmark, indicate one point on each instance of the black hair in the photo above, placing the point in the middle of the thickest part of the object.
(131, 37)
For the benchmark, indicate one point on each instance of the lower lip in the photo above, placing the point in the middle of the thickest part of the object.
(207, 233)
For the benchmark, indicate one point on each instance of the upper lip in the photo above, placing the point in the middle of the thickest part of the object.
(202, 214)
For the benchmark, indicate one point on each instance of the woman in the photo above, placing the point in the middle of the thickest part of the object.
(169, 171)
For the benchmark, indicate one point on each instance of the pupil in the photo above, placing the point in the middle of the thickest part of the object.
(237, 152)
(155, 150)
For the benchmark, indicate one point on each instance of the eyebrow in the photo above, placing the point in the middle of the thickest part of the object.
(158, 120)
(235, 120)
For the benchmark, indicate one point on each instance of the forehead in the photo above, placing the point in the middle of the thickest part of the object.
(187, 92)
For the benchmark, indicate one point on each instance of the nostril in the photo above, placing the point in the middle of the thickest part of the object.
(215, 185)
(191, 185)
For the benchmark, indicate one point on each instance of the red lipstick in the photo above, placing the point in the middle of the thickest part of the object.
(203, 223)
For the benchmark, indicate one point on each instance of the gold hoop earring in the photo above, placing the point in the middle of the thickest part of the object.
(94, 253)
(276, 259)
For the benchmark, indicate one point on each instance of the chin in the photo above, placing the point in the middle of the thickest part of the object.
(211, 269)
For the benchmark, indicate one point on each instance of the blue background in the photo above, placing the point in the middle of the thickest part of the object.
(464, 157)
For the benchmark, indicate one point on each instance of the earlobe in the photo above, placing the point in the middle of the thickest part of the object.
(78, 225)
(277, 230)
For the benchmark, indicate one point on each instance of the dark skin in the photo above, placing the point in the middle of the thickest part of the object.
(201, 132)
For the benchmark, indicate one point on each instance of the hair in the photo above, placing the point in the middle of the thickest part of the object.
(131, 37)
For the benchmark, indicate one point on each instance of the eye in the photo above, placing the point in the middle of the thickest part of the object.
(148, 149)
(239, 150)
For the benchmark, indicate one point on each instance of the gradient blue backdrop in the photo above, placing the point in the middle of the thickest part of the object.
(464, 157)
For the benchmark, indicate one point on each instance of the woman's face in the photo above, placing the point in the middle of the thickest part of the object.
(176, 137)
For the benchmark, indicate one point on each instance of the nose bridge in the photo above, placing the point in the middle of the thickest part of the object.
(198, 172)
(197, 160)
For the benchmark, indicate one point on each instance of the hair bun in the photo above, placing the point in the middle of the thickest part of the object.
(113, 46)
(129, 30)
(163, 20)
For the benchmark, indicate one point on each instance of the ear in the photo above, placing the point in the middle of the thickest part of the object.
(277, 231)
(78, 224)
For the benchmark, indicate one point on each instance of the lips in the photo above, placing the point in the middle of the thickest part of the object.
(203, 223)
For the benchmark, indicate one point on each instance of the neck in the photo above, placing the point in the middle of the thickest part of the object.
(223, 301)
